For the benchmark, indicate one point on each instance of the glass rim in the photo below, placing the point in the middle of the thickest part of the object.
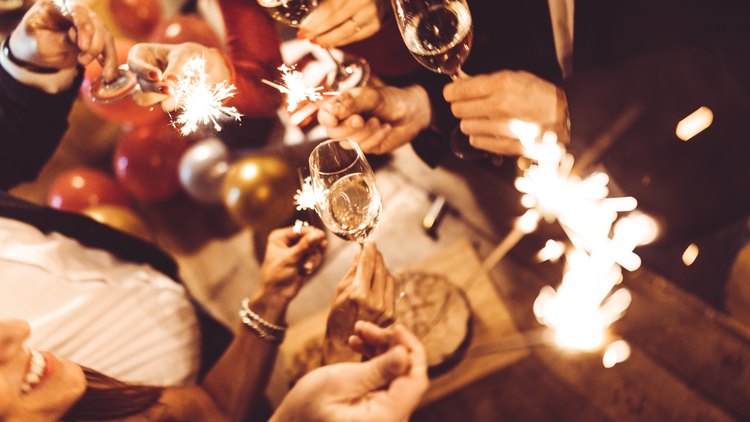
(357, 149)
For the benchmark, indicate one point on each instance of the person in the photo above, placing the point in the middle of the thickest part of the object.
(38, 386)
(56, 262)
(250, 54)
(626, 72)
(387, 387)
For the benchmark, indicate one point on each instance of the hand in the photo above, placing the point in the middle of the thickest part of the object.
(397, 116)
(290, 258)
(340, 22)
(159, 66)
(385, 388)
(366, 293)
(51, 37)
(486, 104)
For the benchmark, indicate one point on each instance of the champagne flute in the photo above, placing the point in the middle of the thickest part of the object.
(349, 73)
(439, 33)
(347, 197)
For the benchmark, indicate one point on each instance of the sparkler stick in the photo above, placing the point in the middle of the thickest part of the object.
(201, 104)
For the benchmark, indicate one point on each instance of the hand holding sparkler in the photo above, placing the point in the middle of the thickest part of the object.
(159, 67)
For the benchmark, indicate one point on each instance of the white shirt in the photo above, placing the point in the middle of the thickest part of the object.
(123, 319)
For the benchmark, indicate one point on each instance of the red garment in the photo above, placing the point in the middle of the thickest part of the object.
(254, 54)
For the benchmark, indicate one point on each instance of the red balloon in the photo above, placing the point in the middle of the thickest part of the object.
(83, 187)
(124, 111)
(146, 161)
(136, 17)
(185, 28)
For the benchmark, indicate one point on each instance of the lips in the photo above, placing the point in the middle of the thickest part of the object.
(37, 367)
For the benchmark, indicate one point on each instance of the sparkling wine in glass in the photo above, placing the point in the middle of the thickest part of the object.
(439, 33)
(347, 198)
(350, 71)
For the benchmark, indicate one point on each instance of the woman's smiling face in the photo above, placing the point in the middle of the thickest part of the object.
(34, 386)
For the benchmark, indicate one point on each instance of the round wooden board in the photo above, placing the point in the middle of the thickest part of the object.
(437, 312)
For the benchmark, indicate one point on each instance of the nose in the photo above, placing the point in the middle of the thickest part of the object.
(12, 335)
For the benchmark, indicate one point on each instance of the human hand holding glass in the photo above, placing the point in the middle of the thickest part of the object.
(439, 34)
(349, 73)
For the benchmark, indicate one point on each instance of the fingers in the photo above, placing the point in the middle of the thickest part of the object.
(382, 370)
(333, 24)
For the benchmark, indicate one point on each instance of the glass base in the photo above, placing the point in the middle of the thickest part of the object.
(125, 84)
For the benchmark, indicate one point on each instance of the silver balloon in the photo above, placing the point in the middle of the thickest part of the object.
(202, 170)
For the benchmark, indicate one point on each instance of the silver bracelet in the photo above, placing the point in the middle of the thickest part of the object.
(264, 329)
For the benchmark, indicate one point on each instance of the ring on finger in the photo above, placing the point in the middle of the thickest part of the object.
(356, 25)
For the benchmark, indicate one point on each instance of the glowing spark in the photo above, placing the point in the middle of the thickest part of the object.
(584, 305)
(305, 197)
(200, 103)
(695, 123)
(295, 88)
(298, 226)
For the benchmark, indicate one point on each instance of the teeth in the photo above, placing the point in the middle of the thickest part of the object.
(36, 371)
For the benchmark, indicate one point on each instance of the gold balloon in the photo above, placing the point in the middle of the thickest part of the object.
(259, 192)
(120, 218)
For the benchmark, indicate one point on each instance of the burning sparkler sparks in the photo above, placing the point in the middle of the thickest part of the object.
(200, 103)
(295, 88)
(583, 307)
(305, 197)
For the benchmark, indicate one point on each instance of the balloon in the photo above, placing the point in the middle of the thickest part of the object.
(124, 111)
(202, 170)
(82, 187)
(185, 28)
(120, 218)
(146, 161)
(259, 192)
(137, 18)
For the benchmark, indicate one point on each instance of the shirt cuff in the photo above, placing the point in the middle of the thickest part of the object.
(52, 83)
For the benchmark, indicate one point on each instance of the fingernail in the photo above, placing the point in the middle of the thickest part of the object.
(302, 34)
(171, 78)
(153, 75)
(164, 90)
(314, 41)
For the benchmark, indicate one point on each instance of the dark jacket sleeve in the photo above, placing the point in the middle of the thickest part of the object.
(32, 123)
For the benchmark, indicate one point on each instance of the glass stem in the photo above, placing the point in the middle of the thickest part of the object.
(340, 69)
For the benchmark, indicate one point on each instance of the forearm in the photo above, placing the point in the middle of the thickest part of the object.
(239, 378)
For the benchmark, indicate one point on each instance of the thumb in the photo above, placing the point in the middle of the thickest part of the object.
(380, 371)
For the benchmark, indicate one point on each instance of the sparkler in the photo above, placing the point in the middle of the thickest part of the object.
(584, 305)
(295, 88)
(201, 104)
(305, 197)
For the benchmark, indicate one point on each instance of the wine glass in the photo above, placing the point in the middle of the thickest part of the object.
(439, 33)
(105, 92)
(350, 71)
(347, 197)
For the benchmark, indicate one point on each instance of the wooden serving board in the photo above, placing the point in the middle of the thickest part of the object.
(491, 323)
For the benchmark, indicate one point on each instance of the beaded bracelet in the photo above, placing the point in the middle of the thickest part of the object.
(265, 330)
